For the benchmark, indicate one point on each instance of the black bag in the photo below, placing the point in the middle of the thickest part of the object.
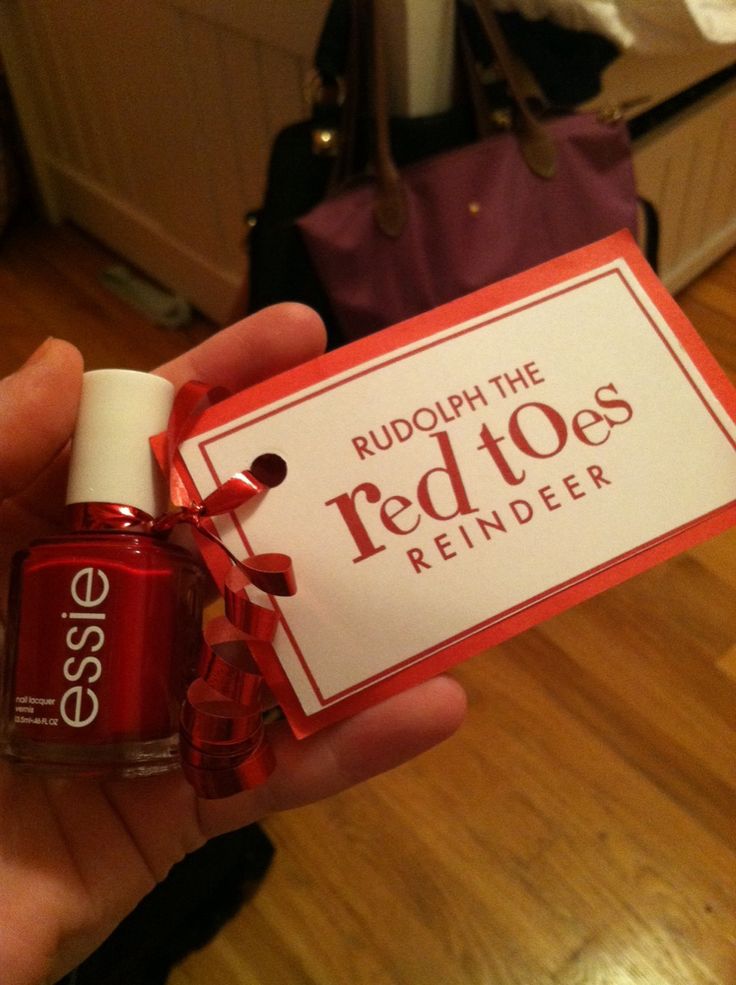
(181, 914)
(301, 164)
(279, 266)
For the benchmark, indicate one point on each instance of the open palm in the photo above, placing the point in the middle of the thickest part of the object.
(77, 855)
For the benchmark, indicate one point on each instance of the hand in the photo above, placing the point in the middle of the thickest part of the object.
(77, 855)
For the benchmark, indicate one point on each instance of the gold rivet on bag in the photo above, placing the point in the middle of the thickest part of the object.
(324, 142)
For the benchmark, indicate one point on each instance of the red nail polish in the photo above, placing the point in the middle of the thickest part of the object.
(104, 623)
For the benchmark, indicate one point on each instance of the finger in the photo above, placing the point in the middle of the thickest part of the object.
(38, 407)
(372, 742)
(260, 346)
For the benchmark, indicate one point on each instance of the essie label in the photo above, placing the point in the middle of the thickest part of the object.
(460, 477)
(101, 655)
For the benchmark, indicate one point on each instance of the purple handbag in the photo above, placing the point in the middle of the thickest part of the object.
(406, 241)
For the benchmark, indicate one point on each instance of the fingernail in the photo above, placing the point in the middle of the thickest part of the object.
(39, 353)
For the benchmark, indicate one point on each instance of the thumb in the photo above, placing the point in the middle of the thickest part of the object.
(38, 407)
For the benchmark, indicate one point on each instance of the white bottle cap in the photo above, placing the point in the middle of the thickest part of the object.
(111, 459)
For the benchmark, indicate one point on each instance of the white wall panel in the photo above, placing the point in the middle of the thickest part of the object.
(150, 123)
(687, 169)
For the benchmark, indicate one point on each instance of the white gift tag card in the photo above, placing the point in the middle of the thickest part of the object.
(460, 477)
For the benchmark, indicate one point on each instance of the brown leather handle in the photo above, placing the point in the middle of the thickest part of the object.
(537, 147)
(356, 70)
(391, 206)
(366, 58)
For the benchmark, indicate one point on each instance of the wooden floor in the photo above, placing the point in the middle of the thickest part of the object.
(51, 284)
(581, 827)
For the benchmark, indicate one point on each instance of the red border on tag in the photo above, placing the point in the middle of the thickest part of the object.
(531, 612)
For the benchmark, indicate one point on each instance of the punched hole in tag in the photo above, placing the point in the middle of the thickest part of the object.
(269, 468)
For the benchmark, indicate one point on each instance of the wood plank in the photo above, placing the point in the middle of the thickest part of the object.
(50, 284)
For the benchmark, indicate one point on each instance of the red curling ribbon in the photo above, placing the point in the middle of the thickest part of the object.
(240, 610)
(251, 770)
(272, 573)
(191, 400)
(215, 724)
(106, 516)
(235, 492)
(224, 748)
(223, 743)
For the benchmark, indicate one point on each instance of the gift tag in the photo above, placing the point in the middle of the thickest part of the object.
(458, 478)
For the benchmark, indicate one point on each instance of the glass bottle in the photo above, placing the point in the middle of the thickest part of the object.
(104, 623)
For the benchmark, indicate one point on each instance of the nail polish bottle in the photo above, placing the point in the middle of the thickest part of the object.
(104, 623)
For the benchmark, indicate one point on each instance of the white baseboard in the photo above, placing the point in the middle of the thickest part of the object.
(141, 241)
(689, 267)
